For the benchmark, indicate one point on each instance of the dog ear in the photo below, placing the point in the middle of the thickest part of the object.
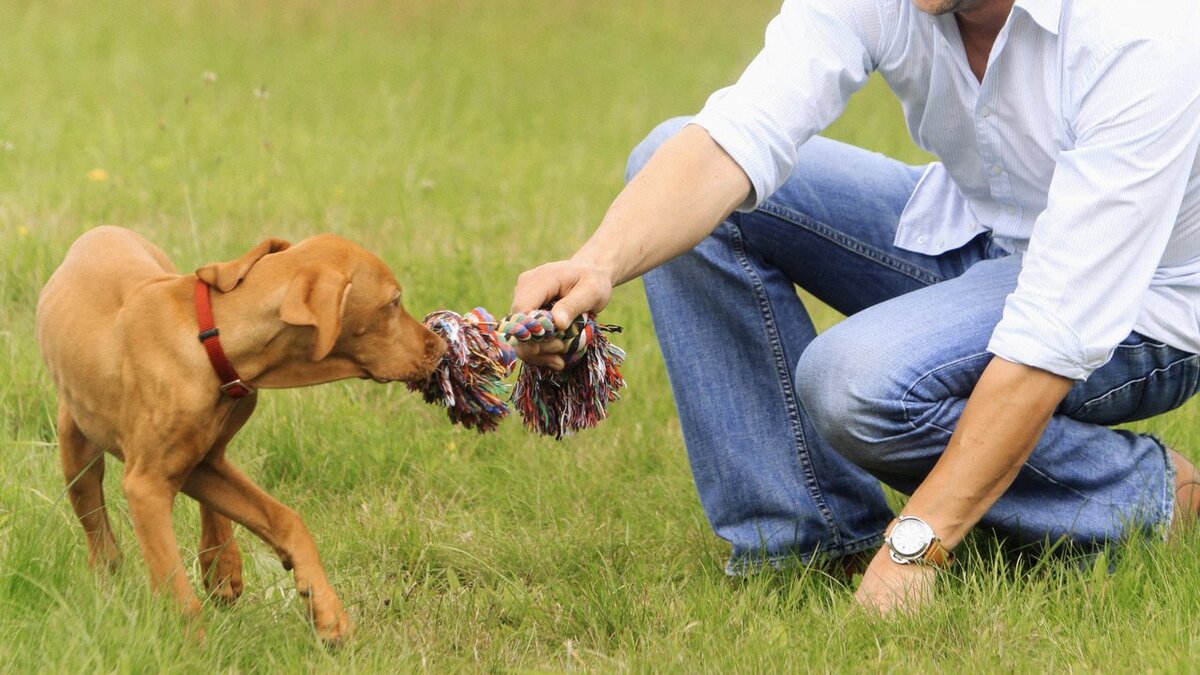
(317, 298)
(225, 276)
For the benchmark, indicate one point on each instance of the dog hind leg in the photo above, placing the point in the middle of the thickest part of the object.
(83, 470)
(220, 559)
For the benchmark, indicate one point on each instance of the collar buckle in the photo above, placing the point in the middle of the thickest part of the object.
(236, 389)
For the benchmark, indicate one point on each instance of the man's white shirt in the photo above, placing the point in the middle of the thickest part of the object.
(1078, 151)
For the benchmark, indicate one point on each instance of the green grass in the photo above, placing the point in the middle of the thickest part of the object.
(464, 141)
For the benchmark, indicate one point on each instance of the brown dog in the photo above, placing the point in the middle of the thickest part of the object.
(118, 330)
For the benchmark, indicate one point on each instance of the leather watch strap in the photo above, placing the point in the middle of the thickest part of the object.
(937, 555)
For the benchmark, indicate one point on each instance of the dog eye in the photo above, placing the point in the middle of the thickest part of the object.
(395, 301)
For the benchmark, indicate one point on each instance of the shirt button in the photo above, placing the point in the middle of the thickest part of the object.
(984, 112)
(1010, 210)
(995, 170)
(922, 239)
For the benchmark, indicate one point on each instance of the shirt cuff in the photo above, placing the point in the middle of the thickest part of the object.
(739, 146)
(1030, 335)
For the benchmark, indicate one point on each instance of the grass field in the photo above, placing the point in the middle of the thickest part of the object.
(463, 141)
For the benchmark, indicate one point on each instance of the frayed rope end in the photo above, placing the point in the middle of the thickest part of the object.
(469, 381)
(559, 403)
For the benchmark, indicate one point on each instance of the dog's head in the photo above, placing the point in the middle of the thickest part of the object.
(340, 305)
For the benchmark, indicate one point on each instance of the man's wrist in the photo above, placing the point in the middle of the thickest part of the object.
(599, 265)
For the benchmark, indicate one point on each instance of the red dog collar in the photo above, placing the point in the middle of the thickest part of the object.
(231, 384)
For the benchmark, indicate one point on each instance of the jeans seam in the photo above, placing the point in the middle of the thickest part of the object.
(784, 377)
(1129, 383)
(908, 393)
(850, 244)
(1068, 488)
(1169, 496)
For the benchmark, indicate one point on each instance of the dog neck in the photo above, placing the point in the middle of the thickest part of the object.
(267, 353)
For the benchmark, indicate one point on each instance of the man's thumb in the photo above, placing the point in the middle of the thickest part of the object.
(563, 314)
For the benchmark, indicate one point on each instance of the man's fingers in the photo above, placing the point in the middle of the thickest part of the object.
(578, 289)
(551, 362)
(564, 313)
(534, 355)
(540, 285)
(554, 346)
(531, 349)
(583, 297)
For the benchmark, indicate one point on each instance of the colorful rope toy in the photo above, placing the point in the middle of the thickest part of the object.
(469, 380)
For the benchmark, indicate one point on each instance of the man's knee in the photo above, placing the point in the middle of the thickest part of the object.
(649, 145)
(849, 397)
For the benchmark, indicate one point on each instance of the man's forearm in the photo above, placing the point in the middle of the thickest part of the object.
(687, 188)
(1002, 422)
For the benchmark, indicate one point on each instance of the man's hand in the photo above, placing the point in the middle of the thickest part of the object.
(889, 587)
(578, 287)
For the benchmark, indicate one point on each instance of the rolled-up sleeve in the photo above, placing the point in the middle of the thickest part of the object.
(817, 53)
(1111, 208)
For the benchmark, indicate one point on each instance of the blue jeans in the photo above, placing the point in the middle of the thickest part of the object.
(790, 433)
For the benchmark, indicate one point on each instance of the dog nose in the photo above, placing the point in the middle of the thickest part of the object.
(435, 347)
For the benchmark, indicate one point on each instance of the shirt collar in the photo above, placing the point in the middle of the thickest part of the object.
(1046, 13)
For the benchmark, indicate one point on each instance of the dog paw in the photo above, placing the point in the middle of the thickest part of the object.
(225, 591)
(328, 618)
(335, 632)
(196, 633)
(222, 573)
(106, 561)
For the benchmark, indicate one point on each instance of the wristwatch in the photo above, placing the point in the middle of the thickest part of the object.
(911, 540)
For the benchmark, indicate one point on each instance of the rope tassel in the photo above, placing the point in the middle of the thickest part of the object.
(469, 380)
(559, 403)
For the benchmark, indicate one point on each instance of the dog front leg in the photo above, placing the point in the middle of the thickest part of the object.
(220, 559)
(219, 485)
(151, 496)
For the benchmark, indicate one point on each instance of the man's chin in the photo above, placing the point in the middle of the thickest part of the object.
(939, 7)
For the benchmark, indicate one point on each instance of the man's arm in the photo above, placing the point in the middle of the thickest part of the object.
(817, 53)
(999, 427)
(1002, 422)
(687, 188)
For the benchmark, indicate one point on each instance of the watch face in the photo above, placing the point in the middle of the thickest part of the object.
(910, 537)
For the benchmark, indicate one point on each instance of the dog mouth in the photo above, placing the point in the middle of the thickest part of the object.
(416, 377)
(368, 375)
